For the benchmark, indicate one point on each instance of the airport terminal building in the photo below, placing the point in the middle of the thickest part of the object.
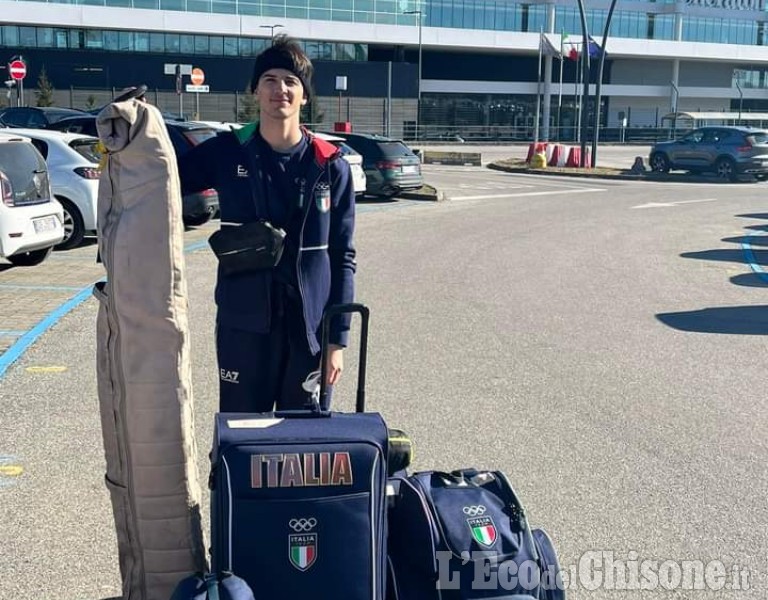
(479, 68)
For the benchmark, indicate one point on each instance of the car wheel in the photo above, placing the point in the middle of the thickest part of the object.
(74, 229)
(30, 259)
(660, 163)
(726, 169)
(197, 220)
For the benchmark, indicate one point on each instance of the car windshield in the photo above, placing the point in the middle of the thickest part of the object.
(57, 115)
(345, 150)
(759, 137)
(394, 149)
(26, 171)
(198, 136)
(87, 148)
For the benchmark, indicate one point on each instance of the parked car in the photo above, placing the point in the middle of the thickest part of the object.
(73, 166)
(390, 166)
(729, 152)
(35, 117)
(353, 157)
(30, 217)
(185, 135)
(197, 208)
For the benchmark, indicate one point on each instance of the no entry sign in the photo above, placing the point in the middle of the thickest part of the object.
(17, 69)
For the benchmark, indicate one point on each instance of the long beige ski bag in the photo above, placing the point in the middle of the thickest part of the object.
(143, 361)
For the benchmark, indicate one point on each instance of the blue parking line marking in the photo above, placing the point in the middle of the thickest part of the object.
(25, 341)
(46, 288)
(752, 260)
(196, 246)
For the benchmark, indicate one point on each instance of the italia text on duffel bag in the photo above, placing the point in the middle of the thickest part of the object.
(464, 535)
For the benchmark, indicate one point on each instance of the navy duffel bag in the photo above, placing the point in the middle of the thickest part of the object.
(464, 536)
(209, 586)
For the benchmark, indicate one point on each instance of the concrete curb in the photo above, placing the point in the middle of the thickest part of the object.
(625, 176)
(573, 173)
(426, 193)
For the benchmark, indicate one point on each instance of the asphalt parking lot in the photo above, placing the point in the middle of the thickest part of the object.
(600, 341)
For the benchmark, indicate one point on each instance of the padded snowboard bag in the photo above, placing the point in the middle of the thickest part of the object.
(465, 536)
(298, 497)
(143, 361)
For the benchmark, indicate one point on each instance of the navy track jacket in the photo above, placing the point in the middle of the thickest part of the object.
(326, 255)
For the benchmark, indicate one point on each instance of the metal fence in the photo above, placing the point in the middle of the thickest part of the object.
(396, 118)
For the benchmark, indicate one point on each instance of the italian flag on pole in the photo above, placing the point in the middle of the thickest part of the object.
(569, 48)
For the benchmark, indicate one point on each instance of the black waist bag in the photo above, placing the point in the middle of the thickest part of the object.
(248, 247)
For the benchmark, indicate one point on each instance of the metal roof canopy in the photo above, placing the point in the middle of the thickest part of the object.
(703, 119)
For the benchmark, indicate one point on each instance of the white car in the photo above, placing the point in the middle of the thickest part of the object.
(31, 220)
(73, 166)
(353, 157)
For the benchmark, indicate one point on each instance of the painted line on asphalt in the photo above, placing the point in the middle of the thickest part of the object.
(45, 288)
(25, 341)
(752, 259)
(526, 194)
(20, 346)
(11, 333)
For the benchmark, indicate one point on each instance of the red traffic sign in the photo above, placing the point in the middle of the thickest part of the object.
(197, 77)
(17, 69)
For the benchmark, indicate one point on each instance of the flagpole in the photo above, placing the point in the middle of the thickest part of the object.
(599, 83)
(538, 95)
(576, 99)
(560, 89)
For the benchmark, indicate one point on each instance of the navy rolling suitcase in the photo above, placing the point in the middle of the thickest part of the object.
(298, 507)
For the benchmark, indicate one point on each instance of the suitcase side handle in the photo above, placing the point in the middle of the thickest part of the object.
(332, 311)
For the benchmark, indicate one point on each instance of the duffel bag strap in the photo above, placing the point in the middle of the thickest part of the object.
(212, 583)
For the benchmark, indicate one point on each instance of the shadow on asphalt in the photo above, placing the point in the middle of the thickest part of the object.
(735, 255)
(752, 240)
(750, 280)
(754, 216)
(741, 320)
(375, 200)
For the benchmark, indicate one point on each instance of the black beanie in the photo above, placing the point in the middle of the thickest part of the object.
(277, 57)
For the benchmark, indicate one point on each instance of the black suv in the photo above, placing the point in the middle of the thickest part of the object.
(197, 208)
(390, 166)
(729, 152)
(35, 117)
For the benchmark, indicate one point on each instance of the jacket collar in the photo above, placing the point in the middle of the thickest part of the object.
(324, 151)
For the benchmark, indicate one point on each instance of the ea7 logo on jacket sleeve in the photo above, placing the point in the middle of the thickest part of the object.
(242, 171)
(302, 545)
(301, 470)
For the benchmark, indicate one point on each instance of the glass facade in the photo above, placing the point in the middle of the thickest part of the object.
(14, 36)
(497, 15)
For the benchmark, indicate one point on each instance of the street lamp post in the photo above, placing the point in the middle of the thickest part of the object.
(418, 101)
(271, 30)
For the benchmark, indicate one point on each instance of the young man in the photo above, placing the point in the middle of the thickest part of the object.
(268, 322)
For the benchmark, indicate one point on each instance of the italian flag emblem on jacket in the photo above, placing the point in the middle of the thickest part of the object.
(302, 550)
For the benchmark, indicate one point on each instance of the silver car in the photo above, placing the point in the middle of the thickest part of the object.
(729, 152)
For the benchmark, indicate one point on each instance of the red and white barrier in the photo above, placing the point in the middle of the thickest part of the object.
(574, 158)
(535, 149)
(558, 156)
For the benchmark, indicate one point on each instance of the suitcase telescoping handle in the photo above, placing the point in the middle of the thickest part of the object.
(330, 313)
